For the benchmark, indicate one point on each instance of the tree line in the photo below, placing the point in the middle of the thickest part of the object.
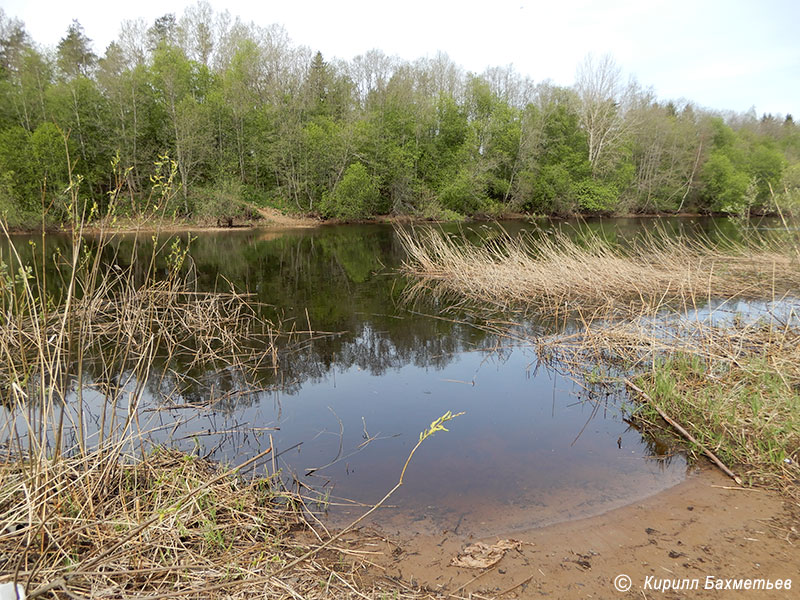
(252, 119)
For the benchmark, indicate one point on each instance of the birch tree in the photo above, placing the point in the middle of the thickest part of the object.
(603, 109)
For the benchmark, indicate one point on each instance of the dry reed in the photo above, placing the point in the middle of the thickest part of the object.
(553, 272)
(171, 524)
(640, 313)
(104, 517)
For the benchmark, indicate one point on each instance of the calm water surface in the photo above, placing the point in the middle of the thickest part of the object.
(345, 409)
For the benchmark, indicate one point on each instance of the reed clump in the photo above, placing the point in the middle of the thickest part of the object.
(88, 509)
(554, 271)
(168, 524)
(639, 318)
(86, 322)
(121, 321)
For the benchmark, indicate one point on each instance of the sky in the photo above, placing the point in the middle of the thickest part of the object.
(720, 54)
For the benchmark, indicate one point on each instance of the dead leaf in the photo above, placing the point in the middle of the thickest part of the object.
(482, 556)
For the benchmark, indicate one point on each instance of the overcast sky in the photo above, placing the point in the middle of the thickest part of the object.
(722, 54)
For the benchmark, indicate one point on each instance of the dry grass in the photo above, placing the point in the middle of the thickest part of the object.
(102, 526)
(86, 511)
(623, 314)
(165, 317)
(103, 328)
(555, 272)
(639, 342)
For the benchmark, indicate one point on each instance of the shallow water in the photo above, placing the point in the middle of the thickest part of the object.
(532, 448)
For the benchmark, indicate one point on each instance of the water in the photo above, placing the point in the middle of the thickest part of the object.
(345, 409)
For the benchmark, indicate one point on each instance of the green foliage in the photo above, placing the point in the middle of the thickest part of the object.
(222, 203)
(50, 150)
(75, 56)
(19, 190)
(767, 166)
(725, 184)
(742, 171)
(429, 208)
(464, 194)
(355, 197)
(324, 152)
(561, 166)
(250, 110)
(594, 196)
(787, 196)
(551, 189)
(443, 150)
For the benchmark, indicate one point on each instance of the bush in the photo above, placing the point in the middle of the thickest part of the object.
(725, 184)
(464, 194)
(428, 208)
(596, 196)
(550, 190)
(355, 197)
(222, 203)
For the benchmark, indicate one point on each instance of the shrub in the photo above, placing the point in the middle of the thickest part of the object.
(355, 197)
(464, 194)
(596, 196)
(222, 203)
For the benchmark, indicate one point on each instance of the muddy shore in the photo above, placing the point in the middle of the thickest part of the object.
(704, 527)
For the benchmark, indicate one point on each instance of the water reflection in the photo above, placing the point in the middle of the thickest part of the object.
(345, 407)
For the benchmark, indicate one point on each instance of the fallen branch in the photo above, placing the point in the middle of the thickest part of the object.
(683, 432)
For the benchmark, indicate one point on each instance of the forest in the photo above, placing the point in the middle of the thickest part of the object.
(249, 119)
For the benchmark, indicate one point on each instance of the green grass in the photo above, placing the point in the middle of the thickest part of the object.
(747, 412)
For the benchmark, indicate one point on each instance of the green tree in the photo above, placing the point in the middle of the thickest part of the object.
(241, 82)
(75, 55)
(77, 105)
(725, 183)
(742, 171)
(561, 163)
(25, 75)
(767, 165)
(50, 148)
(327, 93)
(20, 193)
(133, 119)
(163, 32)
(355, 197)
(181, 88)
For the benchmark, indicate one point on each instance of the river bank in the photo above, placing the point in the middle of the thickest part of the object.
(272, 218)
(704, 527)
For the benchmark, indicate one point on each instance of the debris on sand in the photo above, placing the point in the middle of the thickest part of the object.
(483, 556)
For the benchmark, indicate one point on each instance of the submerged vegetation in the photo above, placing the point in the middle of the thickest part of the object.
(254, 120)
(653, 318)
